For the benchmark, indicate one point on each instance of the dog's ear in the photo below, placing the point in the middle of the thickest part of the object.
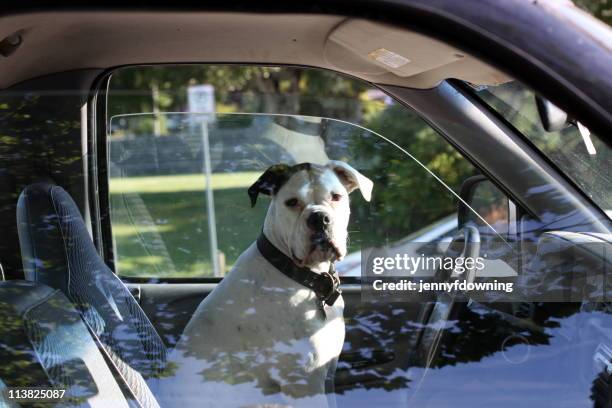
(270, 182)
(352, 179)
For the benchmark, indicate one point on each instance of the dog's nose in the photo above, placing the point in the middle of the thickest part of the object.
(318, 221)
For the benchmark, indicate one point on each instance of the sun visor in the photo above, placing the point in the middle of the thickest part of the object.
(366, 48)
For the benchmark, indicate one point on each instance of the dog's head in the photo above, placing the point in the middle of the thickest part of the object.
(309, 212)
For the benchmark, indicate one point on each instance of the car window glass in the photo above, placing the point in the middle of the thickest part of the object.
(492, 205)
(166, 146)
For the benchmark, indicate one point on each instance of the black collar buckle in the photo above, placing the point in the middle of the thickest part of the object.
(334, 291)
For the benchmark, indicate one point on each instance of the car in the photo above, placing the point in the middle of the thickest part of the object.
(475, 276)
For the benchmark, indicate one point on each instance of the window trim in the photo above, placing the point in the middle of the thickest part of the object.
(99, 194)
(98, 167)
(97, 171)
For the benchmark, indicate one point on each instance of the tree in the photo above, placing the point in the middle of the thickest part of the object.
(602, 9)
(237, 88)
(408, 197)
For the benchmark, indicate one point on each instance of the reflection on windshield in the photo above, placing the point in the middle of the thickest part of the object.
(438, 352)
(523, 351)
(420, 352)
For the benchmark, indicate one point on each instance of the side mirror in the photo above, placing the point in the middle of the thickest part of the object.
(485, 205)
(551, 116)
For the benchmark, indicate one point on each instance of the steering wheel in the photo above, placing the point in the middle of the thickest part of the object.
(465, 243)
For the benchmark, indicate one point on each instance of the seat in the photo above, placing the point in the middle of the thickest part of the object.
(57, 251)
(44, 343)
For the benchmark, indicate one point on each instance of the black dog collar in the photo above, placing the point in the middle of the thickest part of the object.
(326, 285)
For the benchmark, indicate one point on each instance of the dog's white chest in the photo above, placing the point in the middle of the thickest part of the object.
(329, 339)
(312, 330)
(261, 327)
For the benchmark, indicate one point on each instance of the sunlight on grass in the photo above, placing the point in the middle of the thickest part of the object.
(181, 183)
(127, 230)
(129, 266)
(160, 223)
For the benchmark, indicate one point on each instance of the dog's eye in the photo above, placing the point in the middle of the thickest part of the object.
(292, 202)
(336, 197)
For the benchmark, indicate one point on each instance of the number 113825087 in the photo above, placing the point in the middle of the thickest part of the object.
(24, 394)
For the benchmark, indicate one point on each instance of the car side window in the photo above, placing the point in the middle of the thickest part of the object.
(186, 142)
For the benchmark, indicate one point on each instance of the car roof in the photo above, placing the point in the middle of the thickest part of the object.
(548, 45)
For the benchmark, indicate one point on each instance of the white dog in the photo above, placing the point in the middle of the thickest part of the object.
(272, 330)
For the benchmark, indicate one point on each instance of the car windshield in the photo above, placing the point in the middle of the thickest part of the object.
(583, 157)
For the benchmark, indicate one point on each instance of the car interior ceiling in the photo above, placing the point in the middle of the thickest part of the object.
(45, 202)
(89, 40)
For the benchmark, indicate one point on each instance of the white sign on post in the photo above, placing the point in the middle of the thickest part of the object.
(201, 98)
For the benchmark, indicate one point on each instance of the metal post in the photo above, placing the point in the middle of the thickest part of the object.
(210, 202)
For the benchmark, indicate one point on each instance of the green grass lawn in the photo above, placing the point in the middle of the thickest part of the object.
(182, 182)
(160, 224)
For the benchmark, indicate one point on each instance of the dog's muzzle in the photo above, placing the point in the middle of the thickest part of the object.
(323, 242)
(318, 221)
